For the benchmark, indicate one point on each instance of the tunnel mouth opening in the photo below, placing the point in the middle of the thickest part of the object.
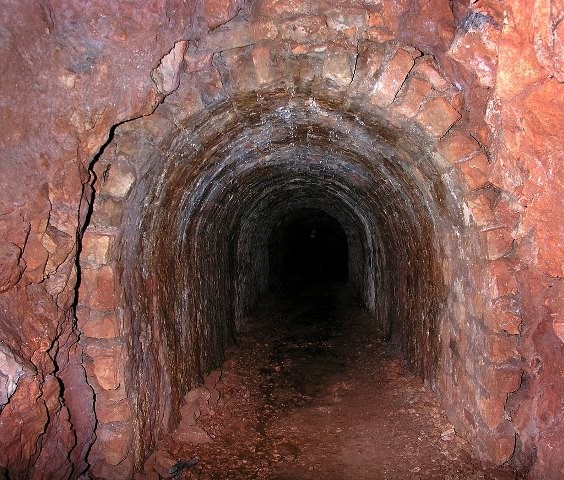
(226, 218)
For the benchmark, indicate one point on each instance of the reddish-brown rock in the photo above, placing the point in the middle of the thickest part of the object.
(73, 72)
(437, 116)
(99, 288)
(392, 78)
(499, 242)
(475, 47)
(428, 24)
(457, 146)
(412, 96)
(502, 281)
(502, 316)
(475, 171)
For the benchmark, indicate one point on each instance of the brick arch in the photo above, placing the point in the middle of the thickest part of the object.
(385, 88)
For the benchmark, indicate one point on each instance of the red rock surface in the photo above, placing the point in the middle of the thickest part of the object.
(71, 72)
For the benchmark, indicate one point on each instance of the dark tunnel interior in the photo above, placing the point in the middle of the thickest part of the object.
(307, 246)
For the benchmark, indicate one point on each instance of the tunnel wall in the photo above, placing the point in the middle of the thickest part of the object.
(65, 68)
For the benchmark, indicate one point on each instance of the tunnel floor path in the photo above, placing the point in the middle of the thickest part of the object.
(312, 392)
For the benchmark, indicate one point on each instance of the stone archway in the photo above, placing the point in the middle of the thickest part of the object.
(262, 115)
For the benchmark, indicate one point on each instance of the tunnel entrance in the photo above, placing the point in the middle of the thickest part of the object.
(241, 195)
(289, 200)
(306, 246)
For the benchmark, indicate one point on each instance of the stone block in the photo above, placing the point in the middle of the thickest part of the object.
(107, 212)
(95, 248)
(263, 65)
(107, 363)
(507, 213)
(501, 278)
(428, 68)
(475, 171)
(351, 22)
(437, 116)
(210, 87)
(370, 61)
(502, 316)
(501, 348)
(123, 471)
(113, 442)
(500, 381)
(98, 288)
(492, 411)
(100, 325)
(311, 29)
(339, 67)
(499, 242)
(110, 412)
(379, 34)
(458, 146)
(197, 61)
(220, 12)
(498, 448)
(481, 211)
(116, 179)
(238, 34)
(35, 256)
(412, 96)
(392, 78)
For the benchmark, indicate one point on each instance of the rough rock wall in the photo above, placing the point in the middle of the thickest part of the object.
(73, 71)
(528, 169)
(70, 71)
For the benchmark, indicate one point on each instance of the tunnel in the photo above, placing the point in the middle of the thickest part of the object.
(205, 201)
(307, 245)
(294, 191)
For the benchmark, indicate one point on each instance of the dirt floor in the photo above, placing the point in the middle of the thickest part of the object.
(311, 392)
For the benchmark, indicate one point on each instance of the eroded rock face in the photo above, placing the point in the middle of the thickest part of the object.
(484, 119)
(69, 74)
